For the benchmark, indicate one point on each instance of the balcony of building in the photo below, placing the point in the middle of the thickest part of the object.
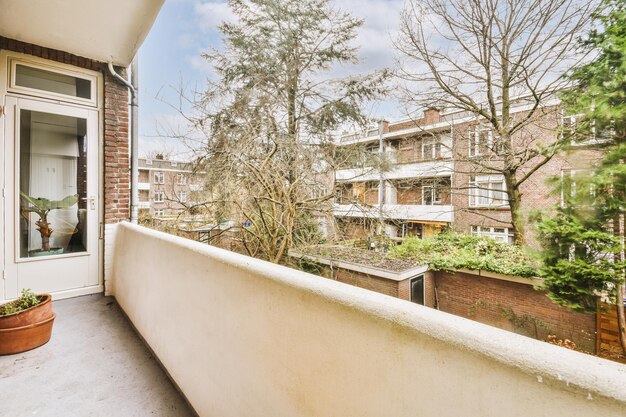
(143, 186)
(242, 337)
(422, 169)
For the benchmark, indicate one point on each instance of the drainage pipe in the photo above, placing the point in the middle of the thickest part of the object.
(134, 134)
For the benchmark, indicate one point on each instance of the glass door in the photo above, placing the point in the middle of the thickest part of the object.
(51, 204)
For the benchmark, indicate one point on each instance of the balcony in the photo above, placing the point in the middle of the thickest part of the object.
(443, 213)
(94, 365)
(435, 168)
(243, 337)
(143, 186)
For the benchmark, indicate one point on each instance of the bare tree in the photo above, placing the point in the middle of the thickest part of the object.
(479, 57)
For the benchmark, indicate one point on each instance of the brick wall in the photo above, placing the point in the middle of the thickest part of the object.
(538, 194)
(115, 128)
(513, 306)
(369, 282)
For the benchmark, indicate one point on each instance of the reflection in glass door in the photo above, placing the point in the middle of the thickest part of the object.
(52, 184)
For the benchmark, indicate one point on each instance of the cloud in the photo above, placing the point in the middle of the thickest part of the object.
(209, 15)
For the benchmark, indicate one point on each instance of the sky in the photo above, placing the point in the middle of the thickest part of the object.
(171, 57)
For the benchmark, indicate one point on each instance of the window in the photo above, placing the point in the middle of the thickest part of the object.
(583, 190)
(431, 193)
(501, 234)
(159, 196)
(417, 290)
(435, 191)
(431, 149)
(159, 178)
(53, 80)
(488, 191)
(481, 141)
(182, 196)
(159, 212)
(318, 191)
(181, 179)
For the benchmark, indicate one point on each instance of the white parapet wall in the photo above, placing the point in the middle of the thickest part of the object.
(243, 337)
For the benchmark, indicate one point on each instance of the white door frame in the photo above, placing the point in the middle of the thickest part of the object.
(93, 282)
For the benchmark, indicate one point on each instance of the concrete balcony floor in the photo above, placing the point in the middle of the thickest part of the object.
(94, 365)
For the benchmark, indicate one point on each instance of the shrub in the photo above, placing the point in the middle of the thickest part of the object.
(451, 251)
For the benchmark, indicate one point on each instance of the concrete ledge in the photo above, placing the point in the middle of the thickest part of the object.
(244, 337)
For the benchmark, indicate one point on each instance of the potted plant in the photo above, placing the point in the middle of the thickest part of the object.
(25, 323)
(42, 207)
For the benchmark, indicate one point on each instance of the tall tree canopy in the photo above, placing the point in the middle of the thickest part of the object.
(584, 242)
(269, 114)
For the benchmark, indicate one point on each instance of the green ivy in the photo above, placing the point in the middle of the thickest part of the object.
(451, 251)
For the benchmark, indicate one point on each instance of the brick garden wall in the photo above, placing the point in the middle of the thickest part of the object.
(114, 130)
(513, 306)
(369, 282)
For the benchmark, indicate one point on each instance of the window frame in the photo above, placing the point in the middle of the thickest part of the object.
(159, 177)
(494, 202)
(55, 68)
(159, 196)
(506, 236)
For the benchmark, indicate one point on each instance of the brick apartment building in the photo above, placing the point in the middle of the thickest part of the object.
(434, 183)
(167, 188)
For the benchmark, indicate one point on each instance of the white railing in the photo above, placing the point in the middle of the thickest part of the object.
(143, 186)
(428, 213)
(243, 337)
(425, 169)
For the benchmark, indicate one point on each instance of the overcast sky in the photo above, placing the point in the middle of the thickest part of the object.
(171, 55)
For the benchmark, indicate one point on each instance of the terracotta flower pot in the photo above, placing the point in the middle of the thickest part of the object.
(21, 339)
(27, 329)
(35, 314)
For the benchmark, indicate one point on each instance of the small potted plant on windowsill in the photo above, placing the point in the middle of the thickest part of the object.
(42, 207)
(25, 323)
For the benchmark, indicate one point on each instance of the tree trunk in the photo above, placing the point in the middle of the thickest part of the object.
(515, 203)
(621, 318)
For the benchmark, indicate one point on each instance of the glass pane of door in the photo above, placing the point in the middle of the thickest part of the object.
(52, 184)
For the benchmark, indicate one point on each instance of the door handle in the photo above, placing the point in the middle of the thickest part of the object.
(91, 200)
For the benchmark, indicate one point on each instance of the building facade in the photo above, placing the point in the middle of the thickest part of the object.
(435, 173)
(168, 188)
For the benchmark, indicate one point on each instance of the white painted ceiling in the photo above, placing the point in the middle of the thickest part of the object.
(104, 30)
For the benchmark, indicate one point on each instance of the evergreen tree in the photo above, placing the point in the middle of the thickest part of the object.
(584, 242)
(269, 115)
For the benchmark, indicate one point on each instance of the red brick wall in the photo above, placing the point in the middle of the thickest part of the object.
(115, 128)
(369, 282)
(513, 306)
